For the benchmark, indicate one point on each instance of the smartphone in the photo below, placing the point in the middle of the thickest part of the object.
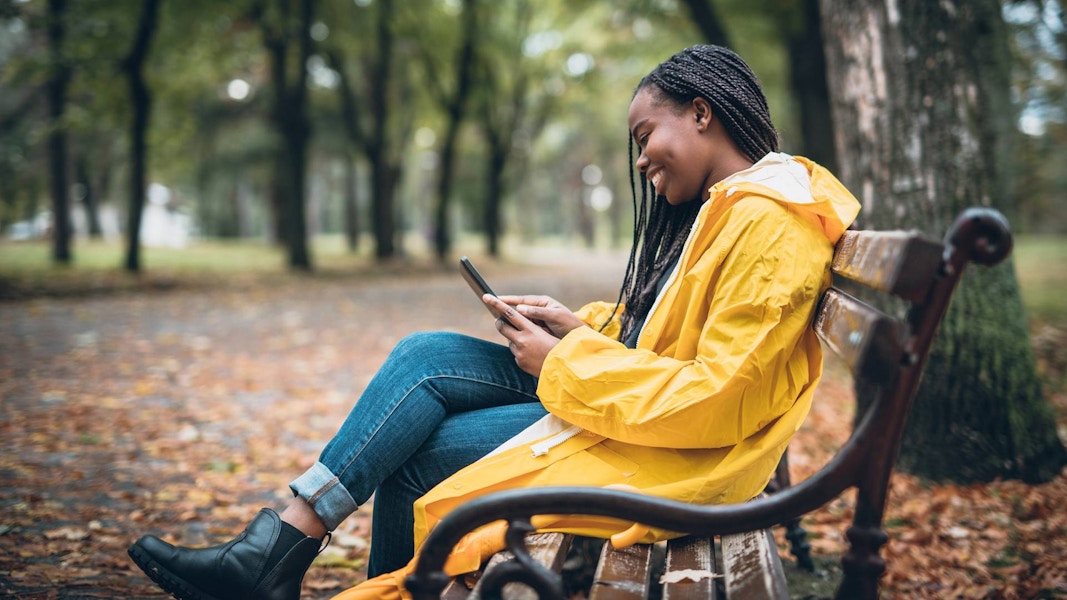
(477, 283)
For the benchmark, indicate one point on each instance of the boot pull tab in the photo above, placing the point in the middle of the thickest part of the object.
(325, 541)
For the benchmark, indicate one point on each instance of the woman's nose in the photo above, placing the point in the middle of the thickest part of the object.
(642, 162)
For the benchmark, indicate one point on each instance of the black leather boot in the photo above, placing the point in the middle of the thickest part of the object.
(235, 570)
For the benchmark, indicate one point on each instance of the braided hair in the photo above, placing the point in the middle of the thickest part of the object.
(725, 81)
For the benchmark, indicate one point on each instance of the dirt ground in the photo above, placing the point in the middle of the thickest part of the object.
(181, 412)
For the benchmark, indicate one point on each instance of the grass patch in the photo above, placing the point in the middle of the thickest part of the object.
(1041, 266)
(26, 268)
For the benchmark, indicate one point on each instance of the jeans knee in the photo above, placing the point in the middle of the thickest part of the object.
(425, 343)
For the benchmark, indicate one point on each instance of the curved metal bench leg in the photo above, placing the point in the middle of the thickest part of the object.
(797, 535)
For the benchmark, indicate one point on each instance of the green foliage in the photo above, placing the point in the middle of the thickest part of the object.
(557, 76)
(1039, 85)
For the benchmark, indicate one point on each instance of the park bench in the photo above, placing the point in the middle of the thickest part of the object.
(886, 355)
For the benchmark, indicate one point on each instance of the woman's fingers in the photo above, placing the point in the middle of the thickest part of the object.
(532, 300)
(529, 342)
(508, 315)
(557, 319)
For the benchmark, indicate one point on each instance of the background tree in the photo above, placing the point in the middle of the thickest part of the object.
(58, 82)
(373, 107)
(141, 107)
(800, 25)
(920, 93)
(286, 30)
(502, 103)
(707, 20)
(1039, 44)
(216, 150)
(453, 99)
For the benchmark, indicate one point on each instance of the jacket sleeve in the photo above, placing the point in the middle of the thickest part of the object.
(596, 314)
(758, 283)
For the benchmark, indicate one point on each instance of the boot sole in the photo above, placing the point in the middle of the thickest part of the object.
(171, 583)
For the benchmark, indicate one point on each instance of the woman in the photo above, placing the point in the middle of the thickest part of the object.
(689, 389)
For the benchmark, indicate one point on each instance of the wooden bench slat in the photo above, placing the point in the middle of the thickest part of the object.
(549, 549)
(897, 262)
(689, 570)
(867, 340)
(456, 590)
(623, 574)
(752, 567)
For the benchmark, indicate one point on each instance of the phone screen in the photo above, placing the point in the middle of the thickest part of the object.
(477, 283)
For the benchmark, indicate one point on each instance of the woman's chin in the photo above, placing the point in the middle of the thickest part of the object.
(674, 200)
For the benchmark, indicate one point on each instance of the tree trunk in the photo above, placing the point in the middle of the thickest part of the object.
(382, 171)
(708, 22)
(291, 122)
(455, 106)
(351, 208)
(502, 111)
(141, 104)
(57, 137)
(807, 79)
(921, 101)
(92, 213)
(494, 176)
(381, 183)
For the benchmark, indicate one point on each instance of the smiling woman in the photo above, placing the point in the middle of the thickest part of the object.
(688, 386)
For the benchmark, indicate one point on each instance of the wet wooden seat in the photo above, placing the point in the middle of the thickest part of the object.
(886, 355)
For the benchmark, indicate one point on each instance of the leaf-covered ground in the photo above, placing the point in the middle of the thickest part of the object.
(181, 412)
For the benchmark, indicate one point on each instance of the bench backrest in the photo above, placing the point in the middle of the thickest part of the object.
(885, 354)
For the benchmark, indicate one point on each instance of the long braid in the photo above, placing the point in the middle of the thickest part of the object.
(726, 82)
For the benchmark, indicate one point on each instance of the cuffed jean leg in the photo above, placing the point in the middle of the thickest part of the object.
(426, 378)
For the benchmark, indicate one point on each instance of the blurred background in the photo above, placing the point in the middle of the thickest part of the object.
(427, 127)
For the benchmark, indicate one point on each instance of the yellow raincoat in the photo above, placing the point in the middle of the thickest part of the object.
(721, 379)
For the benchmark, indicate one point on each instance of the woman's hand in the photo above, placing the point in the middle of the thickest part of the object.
(546, 312)
(530, 342)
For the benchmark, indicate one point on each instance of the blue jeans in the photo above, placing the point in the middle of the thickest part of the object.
(439, 402)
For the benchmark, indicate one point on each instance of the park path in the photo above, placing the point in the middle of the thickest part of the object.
(181, 412)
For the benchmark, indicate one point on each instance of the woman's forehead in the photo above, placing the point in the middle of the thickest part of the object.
(642, 106)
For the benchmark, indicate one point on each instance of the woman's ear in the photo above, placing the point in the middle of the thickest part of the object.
(703, 114)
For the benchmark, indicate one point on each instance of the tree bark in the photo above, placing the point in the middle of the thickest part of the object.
(494, 176)
(922, 110)
(455, 108)
(141, 104)
(382, 171)
(57, 136)
(708, 22)
(92, 213)
(290, 119)
(807, 79)
(503, 107)
(351, 207)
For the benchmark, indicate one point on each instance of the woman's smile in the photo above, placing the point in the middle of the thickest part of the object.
(656, 178)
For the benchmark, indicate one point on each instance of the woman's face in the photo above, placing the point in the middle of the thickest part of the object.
(675, 152)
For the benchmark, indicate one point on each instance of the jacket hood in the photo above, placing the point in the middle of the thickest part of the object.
(806, 187)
